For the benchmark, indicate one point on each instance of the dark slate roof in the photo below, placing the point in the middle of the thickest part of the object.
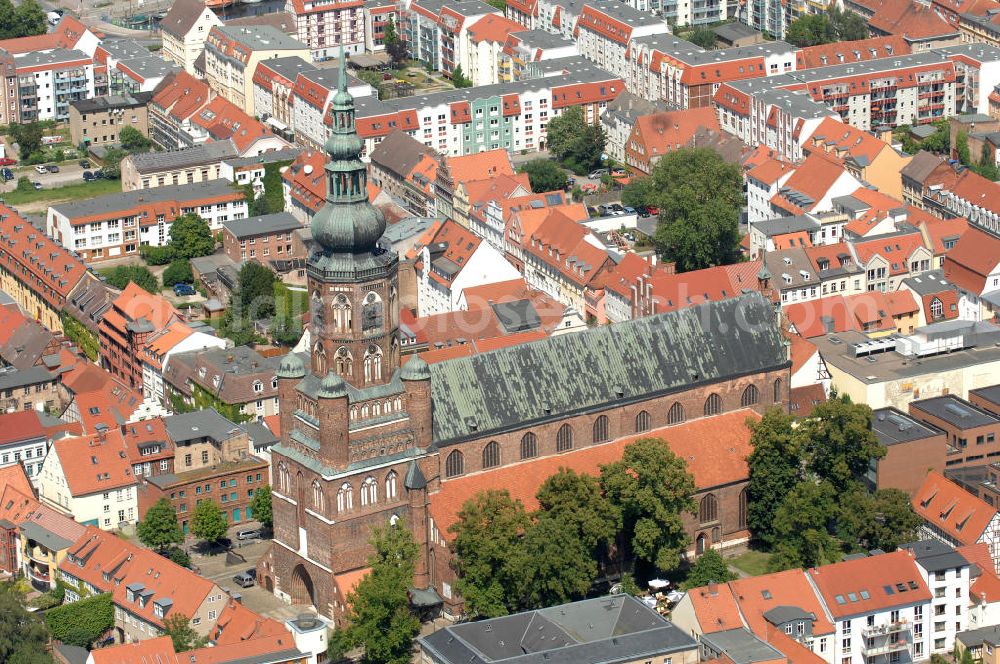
(977, 637)
(517, 316)
(266, 225)
(618, 628)
(991, 393)
(627, 362)
(414, 477)
(741, 646)
(892, 426)
(780, 615)
(934, 555)
(399, 153)
(11, 378)
(207, 423)
(955, 411)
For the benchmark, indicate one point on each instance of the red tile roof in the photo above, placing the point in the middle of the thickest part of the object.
(93, 464)
(306, 179)
(716, 608)
(159, 650)
(660, 133)
(223, 120)
(802, 400)
(20, 426)
(852, 580)
(13, 477)
(65, 35)
(972, 260)
(181, 95)
(45, 267)
(714, 449)
(493, 28)
(936, 231)
(813, 177)
(850, 51)
(978, 553)
(567, 246)
(949, 508)
(770, 170)
(238, 624)
(841, 140)
(910, 20)
(896, 250)
(758, 595)
(100, 398)
(480, 166)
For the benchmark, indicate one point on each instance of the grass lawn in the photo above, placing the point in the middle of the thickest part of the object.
(65, 193)
(753, 563)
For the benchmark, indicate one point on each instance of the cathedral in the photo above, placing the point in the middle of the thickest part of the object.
(367, 440)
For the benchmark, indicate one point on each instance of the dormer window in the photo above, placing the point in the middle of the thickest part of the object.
(258, 386)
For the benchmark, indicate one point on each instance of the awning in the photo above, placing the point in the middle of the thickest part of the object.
(425, 598)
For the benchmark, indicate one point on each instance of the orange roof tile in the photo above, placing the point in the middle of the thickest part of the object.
(937, 231)
(166, 580)
(802, 351)
(234, 652)
(910, 20)
(273, 423)
(20, 426)
(716, 609)
(770, 170)
(480, 165)
(181, 95)
(223, 120)
(159, 650)
(802, 400)
(493, 28)
(347, 582)
(951, 509)
(660, 133)
(814, 177)
(54, 272)
(896, 250)
(99, 397)
(860, 584)
(758, 595)
(306, 179)
(237, 624)
(972, 259)
(850, 51)
(13, 476)
(565, 245)
(978, 554)
(714, 449)
(986, 587)
(94, 463)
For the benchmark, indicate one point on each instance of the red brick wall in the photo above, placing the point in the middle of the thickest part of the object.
(906, 464)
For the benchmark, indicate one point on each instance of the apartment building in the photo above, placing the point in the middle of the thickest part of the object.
(172, 110)
(91, 478)
(133, 318)
(486, 40)
(605, 28)
(23, 441)
(155, 354)
(233, 53)
(184, 30)
(526, 46)
(956, 517)
(39, 274)
(911, 449)
(262, 239)
(199, 163)
(659, 134)
(377, 15)
(310, 99)
(327, 25)
(239, 378)
(98, 121)
(273, 83)
(971, 432)
(435, 31)
(118, 224)
(511, 116)
(34, 389)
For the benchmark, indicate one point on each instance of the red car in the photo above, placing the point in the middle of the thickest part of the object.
(653, 211)
(7, 161)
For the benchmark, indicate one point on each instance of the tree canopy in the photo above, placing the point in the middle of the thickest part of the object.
(159, 528)
(179, 272)
(23, 636)
(459, 79)
(190, 237)
(774, 471)
(112, 164)
(379, 618)
(652, 487)
(709, 568)
(178, 627)
(133, 140)
(27, 136)
(544, 175)
(576, 143)
(260, 505)
(82, 622)
(208, 523)
(833, 26)
(394, 46)
(121, 275)
(700, 197)
(838, 442)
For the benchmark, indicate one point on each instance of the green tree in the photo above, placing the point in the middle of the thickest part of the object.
(260, 506)
(838, 442)
(802, 527)
(652, 487)
(237, 329)
(112, 165)
(286, 331)
(881, 520)
(810, 30)
(23, 636)
(256, 291)
(499, 4)
(577, 500)
(774, 471)
(208, 523)
(132, 140)
(379, 618)
(962, 147)
(577, 144)
(544, 175)
(987, 166)
(709, 568)
(159, 528)
(459, 79)
(24, 185)
(122, 275)
(82, 622)
(6, 19)
(847, 25)
(190, 237)
(700, 197)
(702, 36)
(28, 138)
(29, 20)
(487, 552)
(394, 46)
(558, 566)
(640, 191)
(179, 272)
(155, 255)
(180, 556)
(178, 627)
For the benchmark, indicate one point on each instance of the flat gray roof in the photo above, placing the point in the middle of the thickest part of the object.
(934, 555)
(150, 66)
(893, 426)
(50, 57)
(206, 423)
(11, 378)
(108, 102)
(955, 411)
(991, 393)
(783, 225)
(198, 155)
(261, 37)
(127, 199)
(741, 646)
(929, 282)
(269, 223)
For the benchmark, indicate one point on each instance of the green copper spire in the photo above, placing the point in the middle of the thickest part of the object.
(347, 224)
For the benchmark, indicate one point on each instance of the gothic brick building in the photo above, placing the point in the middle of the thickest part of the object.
(367, 441)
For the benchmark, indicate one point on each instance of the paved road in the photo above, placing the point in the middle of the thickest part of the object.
(68, 174)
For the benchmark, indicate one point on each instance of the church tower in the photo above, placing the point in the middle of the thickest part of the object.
(353, 281)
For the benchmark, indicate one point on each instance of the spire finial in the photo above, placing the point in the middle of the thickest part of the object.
(342, 84)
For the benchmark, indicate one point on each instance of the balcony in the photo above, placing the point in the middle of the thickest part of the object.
(883, 630)
(37, 555)
(897, 645)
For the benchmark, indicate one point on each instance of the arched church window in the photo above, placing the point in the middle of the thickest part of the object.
(342, 314)
(373, 364)
(319, 359)
(345, 498)
(371, 313)
(369, 492)
(343, 362)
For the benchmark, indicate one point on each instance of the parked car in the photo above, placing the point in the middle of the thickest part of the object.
(652, 210)
(7, 174)
(7, 161)
(88, 176)
(252, 572)
(642, 211)
(181, 290)
(99, 174)
(41, 170)
(244, 580)
(253, 533)
(604, 209)
(84, 163)
(52, 168)
(630, 210)
(597, 174)
(36, 184)
(616, 207)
